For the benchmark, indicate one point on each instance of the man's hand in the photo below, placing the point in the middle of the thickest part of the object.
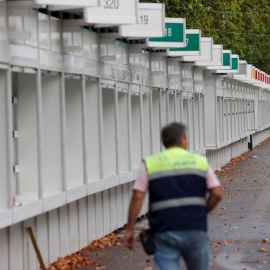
(129, 239)
(134, 209)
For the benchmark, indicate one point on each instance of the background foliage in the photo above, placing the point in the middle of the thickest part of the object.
(245, 34)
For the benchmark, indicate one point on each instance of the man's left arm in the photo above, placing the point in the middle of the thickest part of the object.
(139, 189)
(134, 209)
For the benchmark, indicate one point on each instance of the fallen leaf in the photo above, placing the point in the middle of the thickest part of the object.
(225, 242)
(265, 240)
(263, 250)
(72, 262)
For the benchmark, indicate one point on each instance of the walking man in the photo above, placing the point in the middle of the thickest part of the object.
(177, 181)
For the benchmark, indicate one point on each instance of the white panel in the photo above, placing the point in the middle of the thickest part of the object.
(54, 235)
(123, 132)
(178, 107)
(43, 237)
(197, 123)
(27, 127)
(83, 235)
(156, 122)
(4, 247)
(3, 143)
(73, 227)
(113, 12)
(30, 257)
(109, 132)
(74, 133)
(91, 215)
(16, 247)
(43, 31)
(64, 232)
(113, 209)
(106, 212)
(163, 108)
(146, 120)
(125, 203)
(171, 108)
(136, 130)
(119, 206)
(4, 55)
(92, 124)
(99, 215)
(52, 161)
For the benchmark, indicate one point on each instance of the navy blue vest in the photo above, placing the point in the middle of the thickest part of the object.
(177, 196)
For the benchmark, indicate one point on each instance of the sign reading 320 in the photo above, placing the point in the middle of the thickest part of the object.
(113, 12)
(112, 4)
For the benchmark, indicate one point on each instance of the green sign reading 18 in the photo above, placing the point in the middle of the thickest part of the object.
(173, 33)
(168, 32)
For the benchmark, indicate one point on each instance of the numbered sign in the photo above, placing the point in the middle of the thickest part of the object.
(234, 62)
(151, 22)
(243, 70)
(113, 12)
(193, 44)
(175, 35)
(206, 55)
(68, 3)
(226, 61)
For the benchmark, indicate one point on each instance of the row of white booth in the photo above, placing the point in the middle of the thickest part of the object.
(85, 88)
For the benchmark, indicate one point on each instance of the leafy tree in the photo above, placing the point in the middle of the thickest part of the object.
(241, 26)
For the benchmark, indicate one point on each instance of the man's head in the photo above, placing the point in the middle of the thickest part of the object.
(174, 135)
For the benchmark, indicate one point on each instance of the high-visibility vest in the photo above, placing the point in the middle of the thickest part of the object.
(177, 185)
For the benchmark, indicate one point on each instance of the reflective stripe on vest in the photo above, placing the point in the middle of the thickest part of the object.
(177, 203)
(160, 174)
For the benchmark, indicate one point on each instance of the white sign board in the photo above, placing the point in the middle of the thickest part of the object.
(217, 58)
(175, 35)
(206, 52)
(151, 22)
(68, 3)
(113, 12)
(193, 44)
(243, 70)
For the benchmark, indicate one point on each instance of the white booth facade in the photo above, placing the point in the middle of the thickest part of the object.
(81, 106)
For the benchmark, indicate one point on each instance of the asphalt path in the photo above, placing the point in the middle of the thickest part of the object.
(239, 228)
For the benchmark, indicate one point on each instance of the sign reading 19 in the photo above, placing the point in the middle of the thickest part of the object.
(111, 4)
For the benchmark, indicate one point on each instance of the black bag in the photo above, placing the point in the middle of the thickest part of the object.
(147, 240)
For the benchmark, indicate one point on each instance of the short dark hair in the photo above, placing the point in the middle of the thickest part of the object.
(172, 133)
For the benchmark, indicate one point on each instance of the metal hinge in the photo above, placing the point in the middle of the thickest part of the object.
(15, 134)
(16, 169)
